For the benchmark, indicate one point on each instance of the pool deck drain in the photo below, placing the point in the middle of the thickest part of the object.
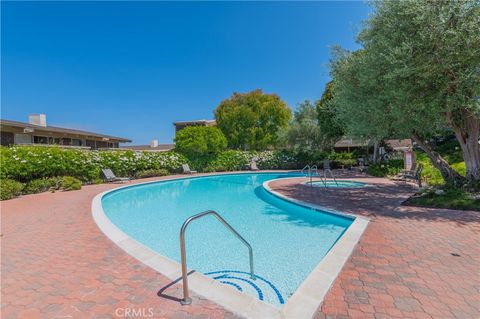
(56, 263)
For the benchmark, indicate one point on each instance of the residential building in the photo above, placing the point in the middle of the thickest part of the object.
(349, 144)
(184, 124)
(152, 147)
(37, 132)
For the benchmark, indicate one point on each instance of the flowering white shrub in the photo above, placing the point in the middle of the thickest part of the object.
(25, 163)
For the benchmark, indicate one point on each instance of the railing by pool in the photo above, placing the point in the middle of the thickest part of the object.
(186, 298)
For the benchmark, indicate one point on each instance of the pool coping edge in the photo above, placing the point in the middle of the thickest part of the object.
(310, 294)
(302, 304)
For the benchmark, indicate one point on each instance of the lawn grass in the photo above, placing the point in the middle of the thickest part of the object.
(431, 175)
(453, 198)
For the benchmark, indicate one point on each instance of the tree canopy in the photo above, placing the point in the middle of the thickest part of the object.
(417, 73)
(251, 121)
(200, 140)
(303, 131)
(330, 125)
(315, 126)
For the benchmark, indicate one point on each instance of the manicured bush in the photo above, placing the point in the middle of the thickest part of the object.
(127, 163)
(226, 161)
(39, 164)
(343, 163)
(42, 185)
(151, 173)
(275, 160)
(27, 163)
(383, 169)
(200, 140)
(69, 183)
(10, 189)
(239, 160)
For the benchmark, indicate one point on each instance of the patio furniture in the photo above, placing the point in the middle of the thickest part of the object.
(361, 164)
(187, 170)
(253, 165)
(414, 174)
(111, 177)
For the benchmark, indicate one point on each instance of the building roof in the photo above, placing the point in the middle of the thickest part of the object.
(63, 130)
(396, 144)
(400, 145)
(348, 142)
(195, 122)
(160, 147)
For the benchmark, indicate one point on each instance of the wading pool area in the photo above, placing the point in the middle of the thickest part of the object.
(336, 184)
(297, 248)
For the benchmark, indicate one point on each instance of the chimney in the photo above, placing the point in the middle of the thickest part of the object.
(37, 119)
(154, 143)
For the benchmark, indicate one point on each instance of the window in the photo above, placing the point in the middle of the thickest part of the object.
(22, 139)
(40, 140)
(53, 140)
(76, 142)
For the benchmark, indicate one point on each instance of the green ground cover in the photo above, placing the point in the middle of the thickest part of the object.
(453, 198)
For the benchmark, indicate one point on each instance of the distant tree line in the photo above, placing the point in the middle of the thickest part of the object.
(416, 76)
(256, 121)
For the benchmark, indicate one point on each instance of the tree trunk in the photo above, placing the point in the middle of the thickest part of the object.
(375, 151)
(468, 138)
(448, 173)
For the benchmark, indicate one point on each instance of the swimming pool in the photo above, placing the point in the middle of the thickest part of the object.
(288, 240)
(337, 184)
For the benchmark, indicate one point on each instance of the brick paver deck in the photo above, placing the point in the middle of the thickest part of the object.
(411, 262)
(56, 263)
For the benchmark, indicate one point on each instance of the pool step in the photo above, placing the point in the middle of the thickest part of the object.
(259, 288)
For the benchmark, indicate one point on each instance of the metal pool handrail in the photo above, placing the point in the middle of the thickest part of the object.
(306, 167)
(186, 299)
(313, 169)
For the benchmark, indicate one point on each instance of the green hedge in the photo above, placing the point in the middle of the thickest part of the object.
(10, 189)
(232, 160)
(151, 173)
(33, 169)
(383, 169)
(26, 163)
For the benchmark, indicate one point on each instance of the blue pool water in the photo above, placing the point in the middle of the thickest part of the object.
(288, 240)
(338, 184)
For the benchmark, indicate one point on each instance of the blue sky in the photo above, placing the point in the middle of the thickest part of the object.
(131, 69)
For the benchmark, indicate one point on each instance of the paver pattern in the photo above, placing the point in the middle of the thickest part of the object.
(410, 262)
(56, 263)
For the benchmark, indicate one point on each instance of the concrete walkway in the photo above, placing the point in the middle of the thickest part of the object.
(411, 262)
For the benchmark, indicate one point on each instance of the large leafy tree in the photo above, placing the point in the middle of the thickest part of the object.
(418, 73)
(331, 127)
(303, 131)
(315, 126)
(251, 121)
(200, 140)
